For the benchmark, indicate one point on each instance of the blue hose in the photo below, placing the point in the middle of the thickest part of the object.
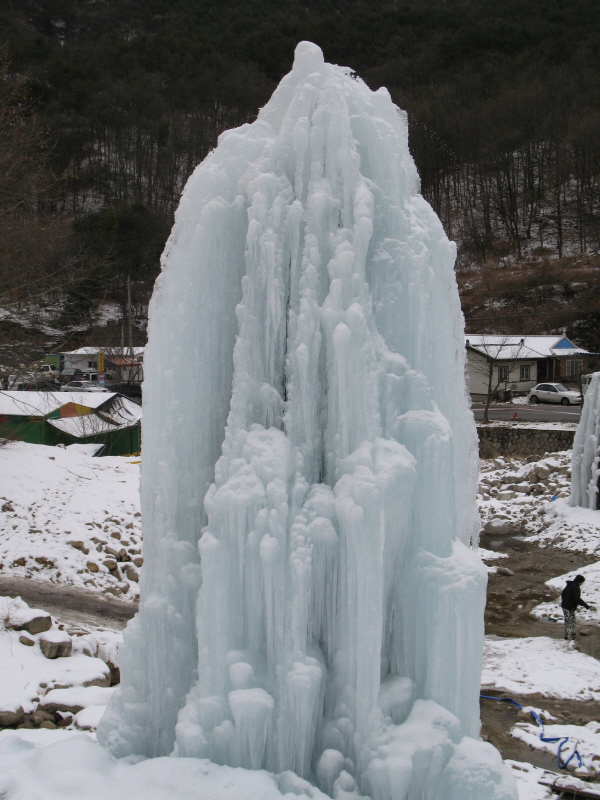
(562, 741)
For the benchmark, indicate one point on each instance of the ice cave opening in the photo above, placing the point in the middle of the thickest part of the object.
(311, 601)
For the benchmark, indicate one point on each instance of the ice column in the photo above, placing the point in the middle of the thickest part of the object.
(310, 601)
(585, 465)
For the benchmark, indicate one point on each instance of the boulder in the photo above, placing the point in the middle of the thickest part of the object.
(542, 472)
(92, 566)
(56, 645)
(38, 623)
(102, 681)
(513, 477)
(138, 561)
(506, 495)
(131, 572)
(40, 716)
(79, 546)
(498, 526)
(9, 719)
(26, 641)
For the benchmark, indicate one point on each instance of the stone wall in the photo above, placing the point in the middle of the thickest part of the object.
(521, 441)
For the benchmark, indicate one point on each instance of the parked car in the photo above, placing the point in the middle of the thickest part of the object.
(69, 374)
(553, 393)
(48, 369)
(82, 386)
(36, 384)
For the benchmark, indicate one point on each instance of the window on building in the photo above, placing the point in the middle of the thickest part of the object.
(502, 374)
(525, 372)
(574, 368)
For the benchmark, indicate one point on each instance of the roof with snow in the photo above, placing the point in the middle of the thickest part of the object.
(123, 413)
(523, 347)
(92, 351)
(118, 411)
(39, 404)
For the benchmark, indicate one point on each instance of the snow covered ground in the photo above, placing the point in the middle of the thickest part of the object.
(540, 665)
(52, 498)
(531, 498)
(52, 677)
(79, 769)
(585, 738)
(69, 518)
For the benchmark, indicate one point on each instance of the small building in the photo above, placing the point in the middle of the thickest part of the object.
(518, 363)
(51, 418)
(127, 366)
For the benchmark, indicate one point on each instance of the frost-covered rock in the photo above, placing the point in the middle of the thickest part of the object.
(309, 506)
(55, 644)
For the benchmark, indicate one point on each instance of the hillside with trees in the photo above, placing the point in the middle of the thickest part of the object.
(106, 106)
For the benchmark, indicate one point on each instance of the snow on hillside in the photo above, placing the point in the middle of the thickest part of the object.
(70, 518)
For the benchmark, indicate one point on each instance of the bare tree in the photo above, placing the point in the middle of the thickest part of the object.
(492, 360)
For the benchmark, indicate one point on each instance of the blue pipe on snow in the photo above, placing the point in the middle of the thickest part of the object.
(562, 740)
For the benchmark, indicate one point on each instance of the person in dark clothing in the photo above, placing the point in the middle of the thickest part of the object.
(570, 600)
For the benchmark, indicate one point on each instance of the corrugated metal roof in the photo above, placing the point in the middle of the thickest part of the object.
(522, 347)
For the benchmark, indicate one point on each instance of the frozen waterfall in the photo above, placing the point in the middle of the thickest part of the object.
(585, 464)
(310, 601)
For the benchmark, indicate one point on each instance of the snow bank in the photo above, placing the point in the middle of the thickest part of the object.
(70, 518)
(541, 665)
(585, 737)
(527, 777)
(517, 497)
(26, 674)
(568, 527)
(80, 769)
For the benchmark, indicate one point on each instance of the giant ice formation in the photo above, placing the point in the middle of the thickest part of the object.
(310, 601)
(585, 463)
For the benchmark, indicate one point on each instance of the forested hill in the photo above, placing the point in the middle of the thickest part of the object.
(118, 100)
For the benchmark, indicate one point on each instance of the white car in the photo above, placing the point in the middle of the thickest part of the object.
(82, 386)
(553, 393)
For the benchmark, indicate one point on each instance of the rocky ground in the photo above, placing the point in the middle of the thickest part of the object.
(53, 675)
(69, 519)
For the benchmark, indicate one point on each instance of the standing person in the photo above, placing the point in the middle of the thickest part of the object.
(570, 599)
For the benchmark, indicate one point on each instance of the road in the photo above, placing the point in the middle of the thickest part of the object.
(531, 413)
(69, 603)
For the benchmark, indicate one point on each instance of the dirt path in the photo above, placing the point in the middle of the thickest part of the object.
(532, 567)
(70, 604)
